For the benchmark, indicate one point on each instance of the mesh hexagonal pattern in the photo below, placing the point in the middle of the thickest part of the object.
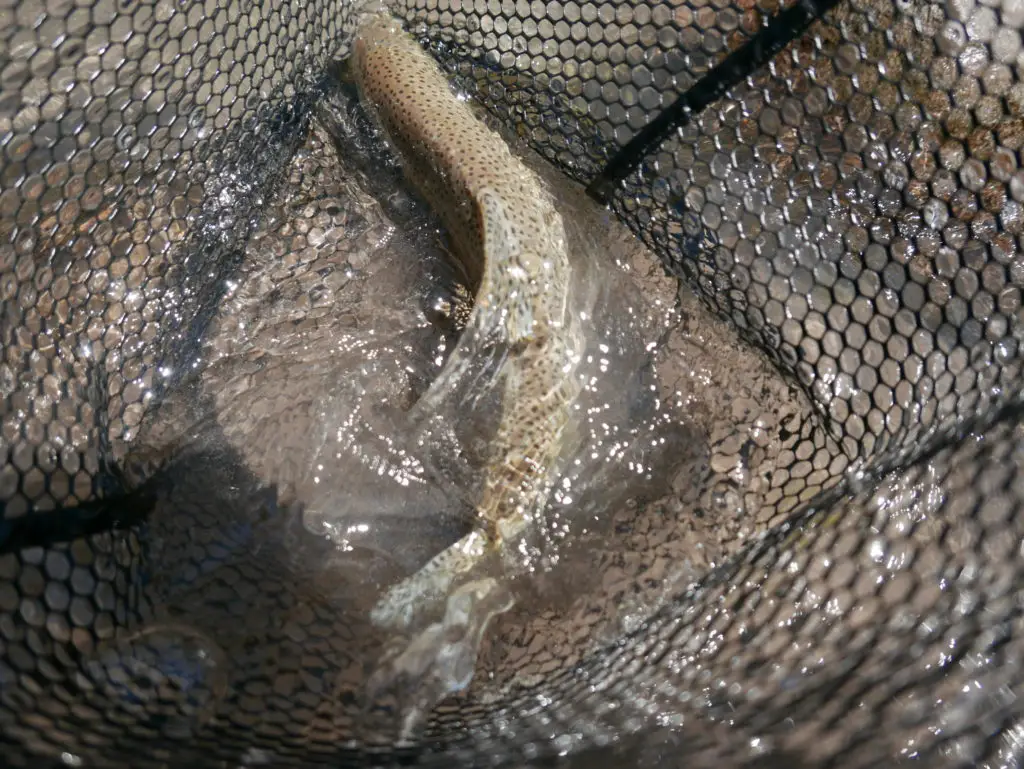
(853, 209)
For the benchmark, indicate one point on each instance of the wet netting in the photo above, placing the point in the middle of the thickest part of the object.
(841, 185)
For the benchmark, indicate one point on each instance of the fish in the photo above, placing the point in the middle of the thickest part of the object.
(511, 245)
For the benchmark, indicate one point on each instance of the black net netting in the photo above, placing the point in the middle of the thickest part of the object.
(192, 206)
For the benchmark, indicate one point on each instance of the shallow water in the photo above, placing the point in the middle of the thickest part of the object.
(330, 333)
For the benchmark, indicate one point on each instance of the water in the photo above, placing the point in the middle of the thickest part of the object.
(169, 678)
(326, 339)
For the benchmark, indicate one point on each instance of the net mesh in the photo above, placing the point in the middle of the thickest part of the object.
(852, 209)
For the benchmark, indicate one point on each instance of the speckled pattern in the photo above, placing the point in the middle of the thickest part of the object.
(512, 243)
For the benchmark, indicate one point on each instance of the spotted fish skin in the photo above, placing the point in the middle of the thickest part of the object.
(511, 242)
